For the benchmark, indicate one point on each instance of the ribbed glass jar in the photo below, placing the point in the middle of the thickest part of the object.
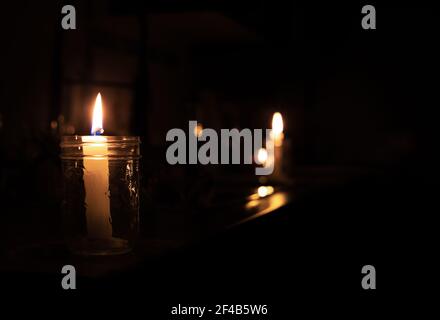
(101, 193)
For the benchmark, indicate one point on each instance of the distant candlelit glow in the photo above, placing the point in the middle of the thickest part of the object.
(277, 123)
(265, 191)
(266, 205)
(262, 156)
(198, 130)
(277, 129)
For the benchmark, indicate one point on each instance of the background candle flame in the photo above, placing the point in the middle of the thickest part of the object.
(97, 127)
(198, 130)
(277, 129)
(277, 124)
(262, 156)
(264, 191)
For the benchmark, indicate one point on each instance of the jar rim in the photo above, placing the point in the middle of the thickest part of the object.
(75, 140)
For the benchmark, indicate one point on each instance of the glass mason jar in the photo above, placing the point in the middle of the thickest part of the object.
(101, 193)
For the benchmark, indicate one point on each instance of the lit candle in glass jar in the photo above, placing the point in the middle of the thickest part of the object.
(97, 222)
(96, 178)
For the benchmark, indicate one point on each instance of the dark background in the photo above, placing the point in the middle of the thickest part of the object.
(360, 115)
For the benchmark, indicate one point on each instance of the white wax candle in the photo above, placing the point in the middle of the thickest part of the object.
(96, 183)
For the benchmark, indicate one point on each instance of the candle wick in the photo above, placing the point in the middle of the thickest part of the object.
(98, 132)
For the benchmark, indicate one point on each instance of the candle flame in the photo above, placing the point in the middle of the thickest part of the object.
(277, 124)
(262, 156)
(277, 129)
(198, 130)
(265, 191)
(97, 127)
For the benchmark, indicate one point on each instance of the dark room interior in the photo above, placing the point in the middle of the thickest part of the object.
(354, 154)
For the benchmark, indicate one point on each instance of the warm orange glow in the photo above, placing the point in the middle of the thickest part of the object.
(252, 204)
(277, 123)
(262, 156)
(266, 205)
(97, 127)
(262, 191)
(265, 191)
(277, 129)
(198, 130)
